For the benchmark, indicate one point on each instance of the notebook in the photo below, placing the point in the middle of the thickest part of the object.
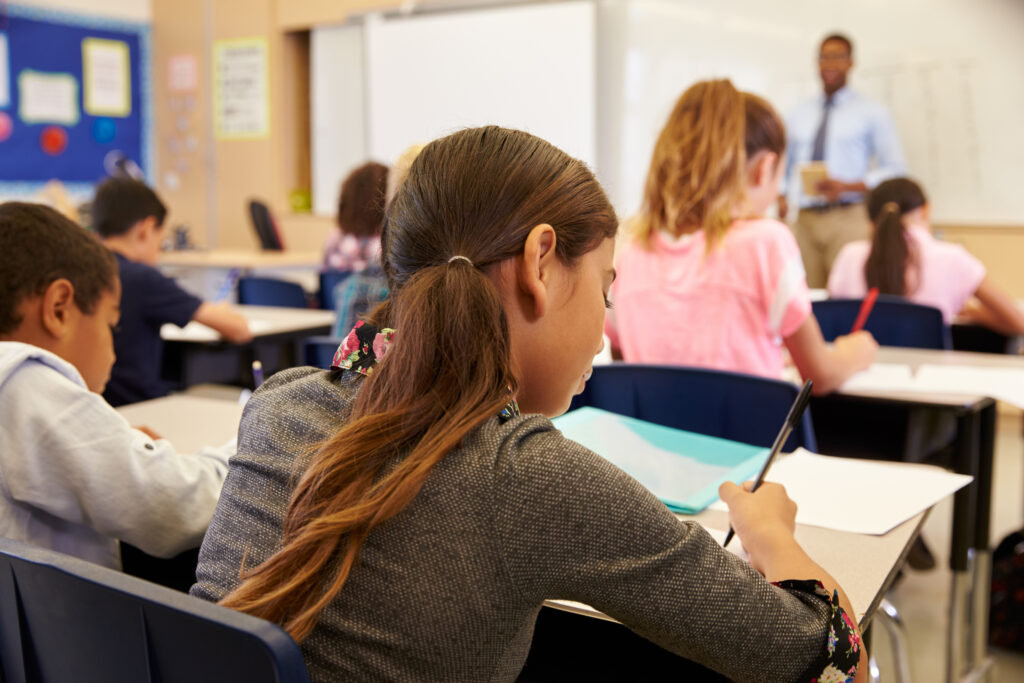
(683, 469)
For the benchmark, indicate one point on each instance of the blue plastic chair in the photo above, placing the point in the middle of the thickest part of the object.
(265, 291)
(63, 619)
(730, 405)
(319, 351)
(328, 281)
(893, 321)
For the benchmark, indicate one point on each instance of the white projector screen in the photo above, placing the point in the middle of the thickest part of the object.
(530, 67)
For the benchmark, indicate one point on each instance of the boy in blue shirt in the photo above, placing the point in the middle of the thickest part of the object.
(74, 475)
(129, 217)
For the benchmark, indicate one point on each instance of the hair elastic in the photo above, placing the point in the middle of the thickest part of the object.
(461, 258)
(892, 206)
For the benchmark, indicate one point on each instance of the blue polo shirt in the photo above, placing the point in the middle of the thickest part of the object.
(148, 300)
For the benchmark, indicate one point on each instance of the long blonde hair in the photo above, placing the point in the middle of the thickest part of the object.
(698, 169)
(476, 193)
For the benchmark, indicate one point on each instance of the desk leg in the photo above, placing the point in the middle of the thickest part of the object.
(979, 661)
(964, 525)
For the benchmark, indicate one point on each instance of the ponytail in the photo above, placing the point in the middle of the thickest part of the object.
(697, 175)
(886, 266)
(474, 194)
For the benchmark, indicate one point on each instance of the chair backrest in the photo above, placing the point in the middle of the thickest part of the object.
(265, 227)
(266, 291)
(63, 619)
(329, 279)
(893, 321)
(730, 405)
(319, 351)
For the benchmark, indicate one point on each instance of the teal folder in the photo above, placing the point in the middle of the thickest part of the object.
(681, 468)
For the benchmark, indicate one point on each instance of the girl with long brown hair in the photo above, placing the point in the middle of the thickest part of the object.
(405, 515)
(903, 258)
(707, 279)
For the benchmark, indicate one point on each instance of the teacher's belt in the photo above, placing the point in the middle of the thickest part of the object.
(829, 206)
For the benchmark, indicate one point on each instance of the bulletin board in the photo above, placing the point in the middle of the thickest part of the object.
(74, 93)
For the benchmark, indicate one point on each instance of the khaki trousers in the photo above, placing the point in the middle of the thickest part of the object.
(821, 233)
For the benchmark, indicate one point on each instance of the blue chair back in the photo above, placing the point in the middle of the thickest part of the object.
(328, 281)
(729, 405)
(266, 291)
(63, 619)
(893, 321)
(319, 351)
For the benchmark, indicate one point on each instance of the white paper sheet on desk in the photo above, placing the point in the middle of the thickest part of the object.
(882, 377)
(1005, 384)
(860, 496)
(198, 332)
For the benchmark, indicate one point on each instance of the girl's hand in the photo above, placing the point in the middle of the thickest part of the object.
(858, 348)
(764, 520)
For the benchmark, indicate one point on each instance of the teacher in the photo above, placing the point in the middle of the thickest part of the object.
(841, 144)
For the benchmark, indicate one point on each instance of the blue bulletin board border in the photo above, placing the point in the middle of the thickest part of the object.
(144, 67)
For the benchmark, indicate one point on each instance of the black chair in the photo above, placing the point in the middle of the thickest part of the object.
(266, 291)
(265, 226)
(893, 321)
(729, 405)
(66, 620)
(319, 351)
(328, 281)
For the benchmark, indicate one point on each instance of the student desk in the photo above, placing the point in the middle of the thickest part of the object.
(972, 452)
(189, 422)
(195, 353)
(202, 272)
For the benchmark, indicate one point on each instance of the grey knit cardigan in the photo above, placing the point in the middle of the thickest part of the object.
(450, 588)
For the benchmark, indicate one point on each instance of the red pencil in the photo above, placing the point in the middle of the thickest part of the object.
(865, 310)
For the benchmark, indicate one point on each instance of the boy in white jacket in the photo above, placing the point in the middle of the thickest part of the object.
(74, 475)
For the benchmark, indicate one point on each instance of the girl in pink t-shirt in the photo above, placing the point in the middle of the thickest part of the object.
(903, 258)
(707, 280)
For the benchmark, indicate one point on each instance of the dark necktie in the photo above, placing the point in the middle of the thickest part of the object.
(818, 152)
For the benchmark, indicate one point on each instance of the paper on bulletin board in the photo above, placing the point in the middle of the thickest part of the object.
(47, 97)
(241, 89)
(182, 73)
(5, 72)
(106, 78)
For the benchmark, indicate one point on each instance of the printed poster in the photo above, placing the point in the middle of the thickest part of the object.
(106, 78)
(5, 72)
(47, 97)
(241, 89)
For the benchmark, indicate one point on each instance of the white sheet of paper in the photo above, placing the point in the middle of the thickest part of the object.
(882, 377)
(198, 332)
(859, 496)
(241, 91)
(106, 78)
(45, 97)
(1005, 384)
(5, 72)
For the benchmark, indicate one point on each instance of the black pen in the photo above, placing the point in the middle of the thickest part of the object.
(796, 411)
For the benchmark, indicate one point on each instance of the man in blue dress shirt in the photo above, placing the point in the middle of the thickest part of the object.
(842, 144)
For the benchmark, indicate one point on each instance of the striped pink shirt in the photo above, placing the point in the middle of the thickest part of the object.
(728, 309)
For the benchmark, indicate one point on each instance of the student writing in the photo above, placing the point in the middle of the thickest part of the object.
(405, 515)
(74, 475)
(129, 217)
(905, 259)
(706, 279)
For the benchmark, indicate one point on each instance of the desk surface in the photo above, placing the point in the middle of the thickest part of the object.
(264, 321)
(241, 258)
(190, 422)
(864, 565)
(918, 357)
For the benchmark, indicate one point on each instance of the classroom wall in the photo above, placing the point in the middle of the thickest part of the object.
(130, 10)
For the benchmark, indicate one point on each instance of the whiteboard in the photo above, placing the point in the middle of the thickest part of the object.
(529, 67)
(948, 71)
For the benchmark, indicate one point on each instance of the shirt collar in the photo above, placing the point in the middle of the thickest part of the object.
(839, 96)
(365, 346)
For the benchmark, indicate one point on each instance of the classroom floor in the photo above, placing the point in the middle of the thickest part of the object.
(923, 597)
